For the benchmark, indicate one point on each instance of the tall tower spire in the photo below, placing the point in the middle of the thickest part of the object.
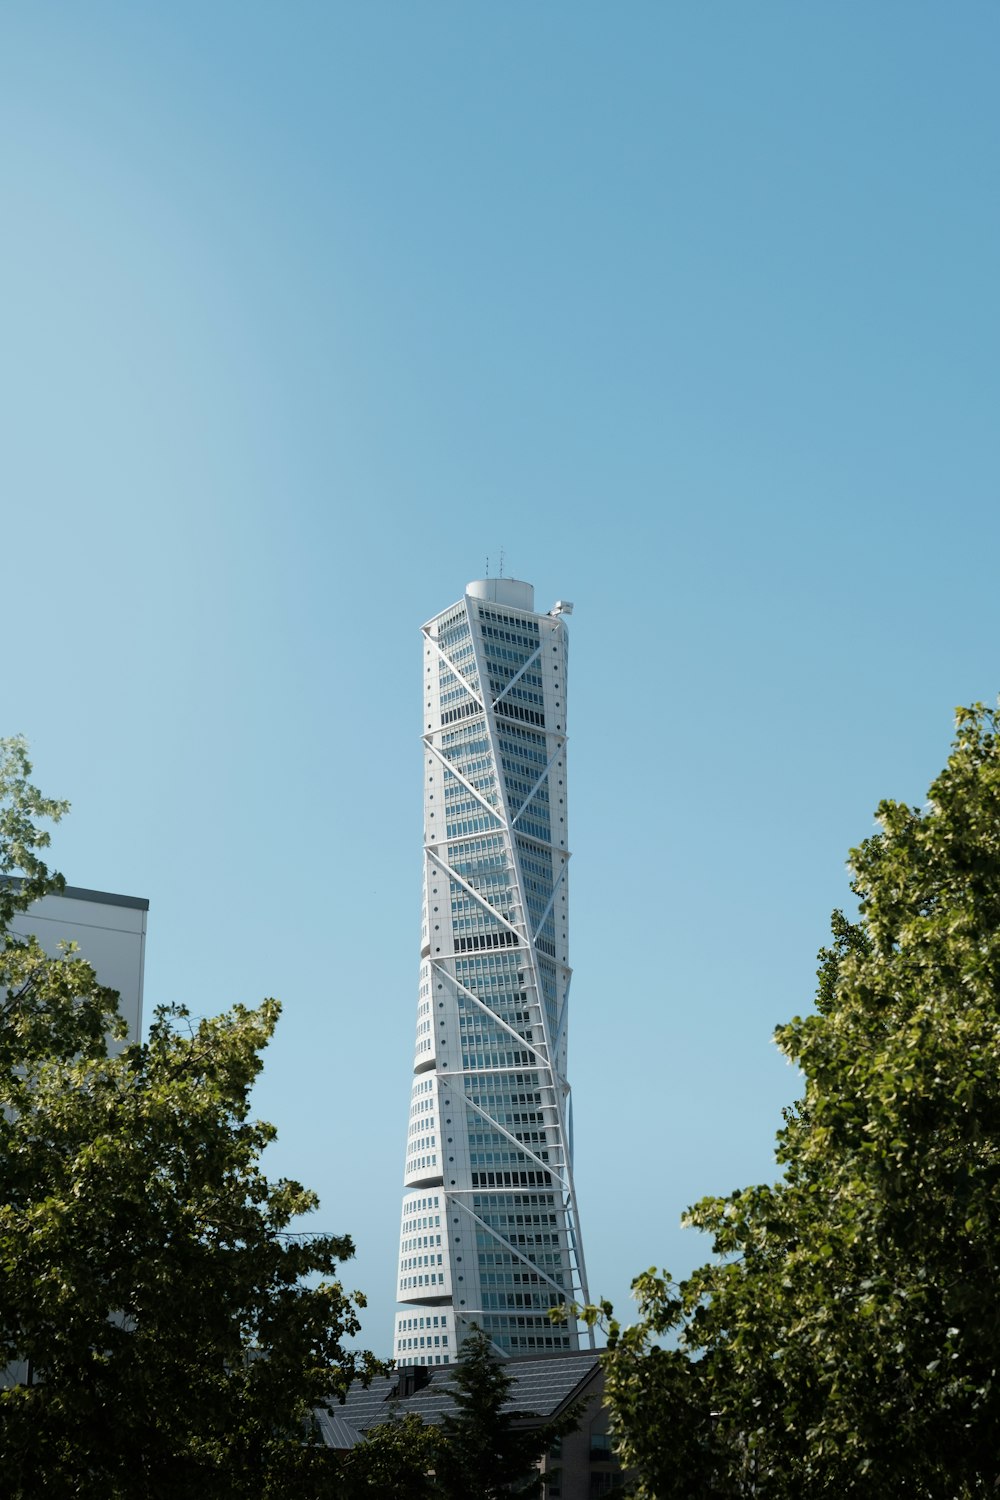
(490, 1230)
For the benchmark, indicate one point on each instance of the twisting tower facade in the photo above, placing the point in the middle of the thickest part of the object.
(490, 1230)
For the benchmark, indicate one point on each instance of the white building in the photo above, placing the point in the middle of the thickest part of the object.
(110, 932)
(490, 1230)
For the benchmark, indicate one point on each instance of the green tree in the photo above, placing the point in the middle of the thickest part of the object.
(396, 1458)
(164, 1330)
(487, 1450)
(845, 1341)
(24, 875)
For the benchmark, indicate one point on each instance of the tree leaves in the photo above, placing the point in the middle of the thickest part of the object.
(24, 877)
(845, 1341)
(165, 1333)
(485, 1450)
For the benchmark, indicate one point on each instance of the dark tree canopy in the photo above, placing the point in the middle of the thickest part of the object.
(488, 1450)
(398, 1459)
(482, 1450)
(165, 1332)
(846, 1340)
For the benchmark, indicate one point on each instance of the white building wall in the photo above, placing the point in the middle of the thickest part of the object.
(110, 932)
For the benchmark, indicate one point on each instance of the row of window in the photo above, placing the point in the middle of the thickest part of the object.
(536, 827)
(413, 1223)
(502, 1005)
(533, 1242)
(520, 780)
(514, 711)
(505, 1259)
(479, 769)
(493, 651)
(510, 1279)
(478, 853)
(522, 1299)
(490, 1208)
(511, 1179)
(514, 632)
(534, 1341)
(470, 765)
(415, 1215)
(501, 938)
(513, 740)
(472, 1083)
(496, 971)
(499, 1108)
(492, 883)
(528, 1322)
(497, 1057)
(536, 1240)
(503, 1158)
(500, 677)
(492, 887)
(522, 691)
(452, 631)
(485, 1138)
(411, 1262)
(422, 1320)
(469, 739)
(464, 807)
(457, 694)
(535, 863)
(476, 918)
(463, 654)
(479, 1032)
(464, 711)
(464, 826)
(419, 1241)
(528, 769)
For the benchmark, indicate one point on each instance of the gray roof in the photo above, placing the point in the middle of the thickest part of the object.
(544, 1385)
(84, 893)
(335, 1431)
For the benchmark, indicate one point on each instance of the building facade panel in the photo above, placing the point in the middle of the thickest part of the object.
(110, 932)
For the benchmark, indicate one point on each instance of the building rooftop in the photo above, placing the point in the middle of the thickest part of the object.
(83, 893)
(544, 1385)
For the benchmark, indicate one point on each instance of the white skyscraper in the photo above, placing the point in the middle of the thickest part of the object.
(490, 1231)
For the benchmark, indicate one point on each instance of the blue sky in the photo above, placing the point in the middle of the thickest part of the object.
(307, 311)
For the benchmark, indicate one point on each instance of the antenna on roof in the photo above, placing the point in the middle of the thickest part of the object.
(501, 562)
(487, 567)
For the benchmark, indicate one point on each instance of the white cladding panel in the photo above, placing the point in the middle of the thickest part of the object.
(110, 932)
(508, 591)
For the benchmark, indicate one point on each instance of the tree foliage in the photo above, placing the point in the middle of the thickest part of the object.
(164, 1330)
(398, 1458)
(845, 1341)
(24, 875)
(487, 1450)
(481, 1450)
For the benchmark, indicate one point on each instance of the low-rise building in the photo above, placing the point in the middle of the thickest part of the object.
(110, 932)
(580, 1467)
